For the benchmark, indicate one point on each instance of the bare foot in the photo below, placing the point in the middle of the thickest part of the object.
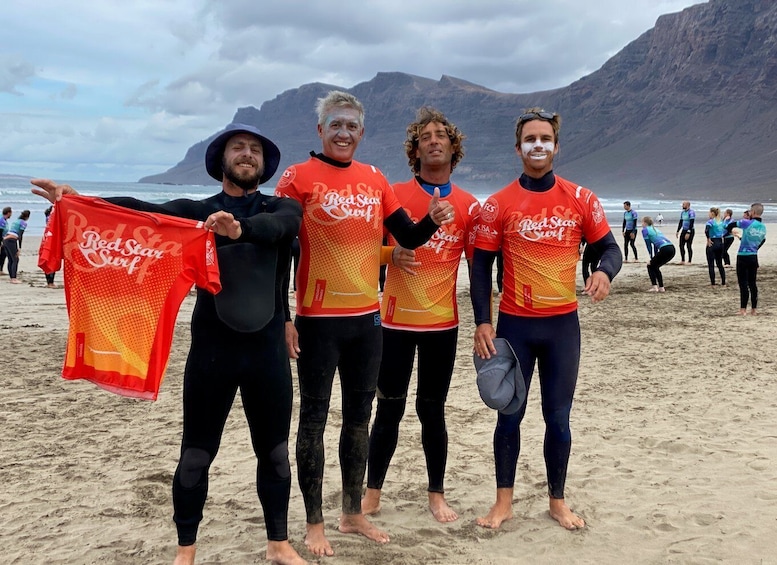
(560, 512)
(752, 312)
(316, 541)
(282, 553)
(501, 511)
(15, 281)
(371, 501)
(742, 311)
(440, 509)
(185, 555)
(358, 524)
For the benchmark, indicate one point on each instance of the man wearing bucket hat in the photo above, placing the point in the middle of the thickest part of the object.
(537, 222)
(238, 338)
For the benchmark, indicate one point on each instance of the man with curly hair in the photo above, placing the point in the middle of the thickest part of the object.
(419, 312)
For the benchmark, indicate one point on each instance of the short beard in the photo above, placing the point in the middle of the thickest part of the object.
(246, 184)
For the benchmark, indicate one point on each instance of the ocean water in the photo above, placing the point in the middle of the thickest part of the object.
(15, 192)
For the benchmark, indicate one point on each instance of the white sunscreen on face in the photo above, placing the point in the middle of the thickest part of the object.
(528, 146)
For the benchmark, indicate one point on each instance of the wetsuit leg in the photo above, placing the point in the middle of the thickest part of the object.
(747, 270)
(626, 241)
(651, 269)
(320, 352)
(208, 392)
(691, 233)
(717, 250)
(11, 247)
(742, 281)
(554, 342)
(358, 367)
(661, 258)
(711, 263)
(267, 397)
(751, 281)
(727, 243)
(396, 368)
(507, 435)
(436, 357)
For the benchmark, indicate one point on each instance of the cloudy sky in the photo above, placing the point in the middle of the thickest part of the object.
(118, 89)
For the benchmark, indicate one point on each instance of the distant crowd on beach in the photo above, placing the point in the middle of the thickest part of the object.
(720, 231)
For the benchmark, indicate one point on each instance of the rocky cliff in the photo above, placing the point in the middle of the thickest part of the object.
(687, 109)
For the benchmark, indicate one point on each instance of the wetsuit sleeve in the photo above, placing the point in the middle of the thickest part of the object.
(480, 285)
(623, 228)
(407, 233)
(680, 224)
(730, 227)
(182, 208)
(707, 230)
(611, 257)
(279, 220)
(690, 223)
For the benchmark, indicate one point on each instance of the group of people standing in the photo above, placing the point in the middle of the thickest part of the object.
(12, 234)
(11, 241)
(719, 230)
(341, 210)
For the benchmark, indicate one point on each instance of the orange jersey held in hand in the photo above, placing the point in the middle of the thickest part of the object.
(126, 274)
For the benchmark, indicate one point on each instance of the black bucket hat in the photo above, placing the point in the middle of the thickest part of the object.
(215, 151)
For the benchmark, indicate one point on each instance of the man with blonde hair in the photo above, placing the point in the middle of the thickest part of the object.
(346, 205)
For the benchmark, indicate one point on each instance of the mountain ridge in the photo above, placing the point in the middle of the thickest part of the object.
(687, 109)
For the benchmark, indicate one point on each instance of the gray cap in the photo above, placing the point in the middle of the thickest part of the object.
(500, 381)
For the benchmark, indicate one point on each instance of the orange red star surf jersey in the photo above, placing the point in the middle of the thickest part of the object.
(342, 230)
(539, 233)
(427, 300)
(126, 274)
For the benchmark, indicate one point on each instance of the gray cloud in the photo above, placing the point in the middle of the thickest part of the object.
(14, 72)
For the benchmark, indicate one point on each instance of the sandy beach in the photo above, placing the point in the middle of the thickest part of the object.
(674, 456)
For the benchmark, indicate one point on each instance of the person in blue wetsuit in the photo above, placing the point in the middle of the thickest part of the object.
(237, 336)
(728, 238)
(753, 236)
(630, 218)
(714, 229)
(685, 231)
(12, 243)
(662, 252)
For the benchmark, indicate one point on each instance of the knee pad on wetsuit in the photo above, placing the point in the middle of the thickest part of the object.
(279, 460)
(430, 411)
(193, 465)
(357, 407)
(313, 412)
(557, 424)
(390, 410)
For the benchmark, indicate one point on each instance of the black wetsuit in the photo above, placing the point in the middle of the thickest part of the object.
(352, 345)
(238, 342)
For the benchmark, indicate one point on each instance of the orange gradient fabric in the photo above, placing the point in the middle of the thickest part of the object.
(126, 274)
(342, 230)
(427, 300)
(539, 233)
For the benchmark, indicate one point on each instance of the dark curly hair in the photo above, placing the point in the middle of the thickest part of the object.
(423, 118)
